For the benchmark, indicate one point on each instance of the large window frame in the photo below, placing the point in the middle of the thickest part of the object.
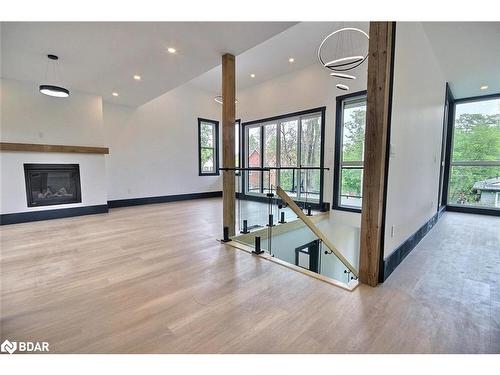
(215, 147)
(260, 124)
(449, 163)
(339, 163)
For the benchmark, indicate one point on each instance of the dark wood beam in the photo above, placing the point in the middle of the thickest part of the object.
(228, 157)
(378, 109)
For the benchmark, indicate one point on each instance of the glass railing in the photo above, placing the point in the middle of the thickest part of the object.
(309, 241)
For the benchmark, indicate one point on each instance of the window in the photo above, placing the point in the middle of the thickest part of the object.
(349, 151)
(474, 168)
(208, 139)
(294, 140)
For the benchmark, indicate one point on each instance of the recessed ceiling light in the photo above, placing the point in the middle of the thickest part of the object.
(171, 50)
(484, 87)
(137, 77)
(291, 60)
(342, 87)
(115, 94)
(252, 75)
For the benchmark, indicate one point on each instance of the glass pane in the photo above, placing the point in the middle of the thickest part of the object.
(254, 147)
(254, 181)
(310, 151)
(207, 160)
(254, 177)
(207, 135)
(274, 182)
(288, 143)
(237, 144)
(351, 187)
(353, 132)
(310, 185)
(270, 145)
(270, 155)
(288, 181)
(474, 186)
(476, 135)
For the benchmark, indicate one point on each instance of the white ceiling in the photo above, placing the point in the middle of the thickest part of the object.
(469, 55)
(102, 57)
(270, 58)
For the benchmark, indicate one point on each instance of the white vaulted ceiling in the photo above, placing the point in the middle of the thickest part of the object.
(469, 55)
(102, 57)
(269, 59)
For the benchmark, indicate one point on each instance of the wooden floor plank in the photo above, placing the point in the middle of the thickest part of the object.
(153, 279)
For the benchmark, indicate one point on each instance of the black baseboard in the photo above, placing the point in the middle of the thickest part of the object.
(24, 217)
(402, 251)
(474, 210)
(162, 199)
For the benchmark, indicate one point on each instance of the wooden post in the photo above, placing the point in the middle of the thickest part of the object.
(228, 120)
(376, 138)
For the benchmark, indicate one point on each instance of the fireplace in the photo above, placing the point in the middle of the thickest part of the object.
(50, 184)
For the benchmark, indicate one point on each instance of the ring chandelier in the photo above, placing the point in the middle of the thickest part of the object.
(341, 64)
(218, 99)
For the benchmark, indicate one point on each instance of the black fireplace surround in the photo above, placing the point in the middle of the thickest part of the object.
(51, 184)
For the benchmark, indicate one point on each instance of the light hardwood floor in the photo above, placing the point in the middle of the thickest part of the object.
(152, 279)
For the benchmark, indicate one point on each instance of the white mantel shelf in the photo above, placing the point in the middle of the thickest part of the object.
(33, 147)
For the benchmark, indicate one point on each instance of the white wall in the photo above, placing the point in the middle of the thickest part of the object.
(307, 88)
(154, 148)
(29, 117)
(416, 132)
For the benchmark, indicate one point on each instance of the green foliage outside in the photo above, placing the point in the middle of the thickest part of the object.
(288, 153)
(353, 144)
(207, 147)
(476, 138)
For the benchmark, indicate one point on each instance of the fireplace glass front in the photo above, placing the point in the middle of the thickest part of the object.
(50, 184)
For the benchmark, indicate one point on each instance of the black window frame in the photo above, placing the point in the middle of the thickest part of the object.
(322, 110)
(216, 147)
(338, 151)
(448, 156)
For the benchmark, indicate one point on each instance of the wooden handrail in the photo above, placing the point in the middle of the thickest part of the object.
(312, 226)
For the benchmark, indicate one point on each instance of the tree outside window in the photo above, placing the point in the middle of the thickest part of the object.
(208, 134)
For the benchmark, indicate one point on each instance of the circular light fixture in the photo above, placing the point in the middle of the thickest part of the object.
(137, 77)
(342, 75)
(171, 50)
(114, 94)
(291, 60)
(345, 63)
(54, 90)
(342, 87)
(484, 87)
(252, 75)
(218, 99)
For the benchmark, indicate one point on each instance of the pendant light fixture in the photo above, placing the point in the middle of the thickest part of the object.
(53, 89)
(347, 48)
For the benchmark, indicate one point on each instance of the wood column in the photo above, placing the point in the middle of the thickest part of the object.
(378, 109)
(228, 120)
